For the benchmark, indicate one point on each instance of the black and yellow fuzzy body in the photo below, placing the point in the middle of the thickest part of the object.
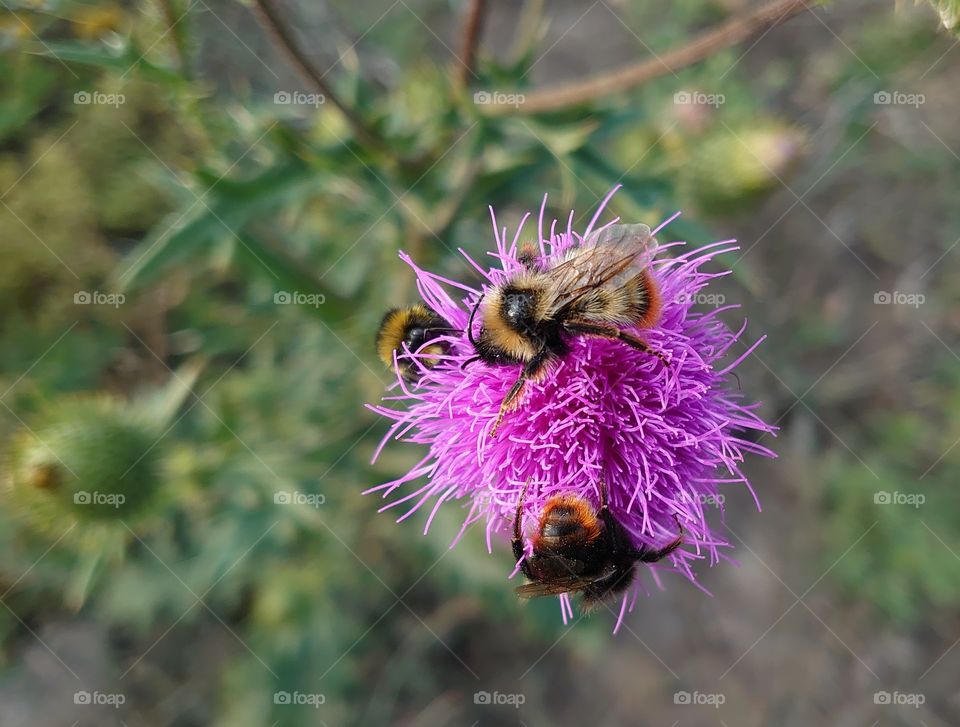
(415, 329)
(578, 549)
(600, 288)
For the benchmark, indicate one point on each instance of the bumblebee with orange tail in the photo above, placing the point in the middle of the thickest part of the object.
(599, 288)
(578, 549)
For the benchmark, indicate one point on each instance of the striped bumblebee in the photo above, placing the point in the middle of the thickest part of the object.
(578, 549)
(601, 288)
(416, 329)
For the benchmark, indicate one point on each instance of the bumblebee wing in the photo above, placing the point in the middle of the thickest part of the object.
(605, 258)
(553, 588)
(619, 236)
(557, 586)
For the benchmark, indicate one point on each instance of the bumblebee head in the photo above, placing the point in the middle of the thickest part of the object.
(511, 328)
(518, 307)
(412, 327)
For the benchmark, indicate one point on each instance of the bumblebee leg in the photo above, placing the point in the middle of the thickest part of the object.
(604, 330)
(640, 345)
(508, 400)
(531, 369)
(517, 542)
(612, 526)
(603, 495)
(619, 540)
(652, 556)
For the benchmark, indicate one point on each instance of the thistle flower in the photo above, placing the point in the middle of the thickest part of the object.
(663, 438)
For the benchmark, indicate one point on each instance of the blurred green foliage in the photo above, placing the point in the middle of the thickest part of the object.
(949, 12)
(906, 562)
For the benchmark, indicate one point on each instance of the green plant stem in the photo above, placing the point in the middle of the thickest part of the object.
(270, 18)
(729, 33)
(472, 30)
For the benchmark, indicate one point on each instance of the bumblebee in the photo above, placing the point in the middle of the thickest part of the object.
(599, 288)
(418, 329)
(577, 549)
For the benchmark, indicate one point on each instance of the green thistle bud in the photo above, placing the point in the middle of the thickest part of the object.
(729, 170)
(93, 460)
(85, 459)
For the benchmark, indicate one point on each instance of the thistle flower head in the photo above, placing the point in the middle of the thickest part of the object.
(663, 438)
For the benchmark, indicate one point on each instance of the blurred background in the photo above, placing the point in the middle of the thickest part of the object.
(201, 206)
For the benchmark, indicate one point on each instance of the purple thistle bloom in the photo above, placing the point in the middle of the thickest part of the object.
(664, 438)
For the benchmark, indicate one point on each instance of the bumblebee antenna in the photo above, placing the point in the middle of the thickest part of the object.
(470, 322)
(468, 362)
